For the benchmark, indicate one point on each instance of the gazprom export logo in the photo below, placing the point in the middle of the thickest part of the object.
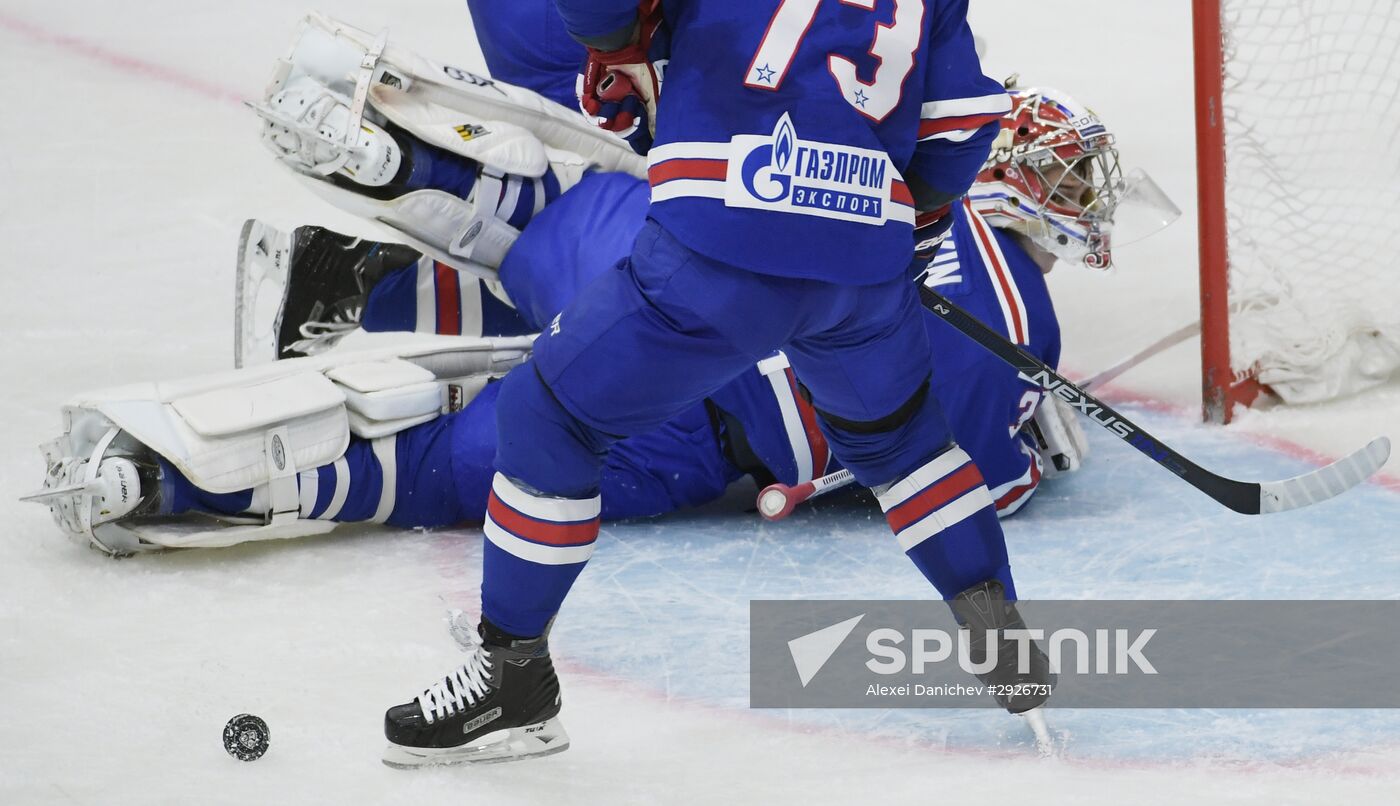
(765, 168)
(783, 173)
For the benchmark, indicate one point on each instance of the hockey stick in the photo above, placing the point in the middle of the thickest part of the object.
(1249, 498)
(777, 501)
(1168, 341)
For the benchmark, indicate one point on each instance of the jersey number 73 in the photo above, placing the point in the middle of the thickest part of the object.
(893, 48)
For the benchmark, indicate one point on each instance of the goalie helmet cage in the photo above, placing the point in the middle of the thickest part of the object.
(1297, 178)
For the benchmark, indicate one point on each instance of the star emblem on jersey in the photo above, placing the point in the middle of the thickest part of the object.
(861, 98)
(765, 74)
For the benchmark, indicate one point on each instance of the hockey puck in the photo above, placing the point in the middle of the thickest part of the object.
(246, 737)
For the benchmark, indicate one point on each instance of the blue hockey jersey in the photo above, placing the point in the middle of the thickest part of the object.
(525, 44)
(793, 138)
(984, 271)
(765, 414)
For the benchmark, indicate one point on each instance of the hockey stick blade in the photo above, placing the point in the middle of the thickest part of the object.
(1248, 498)
(1325, 482)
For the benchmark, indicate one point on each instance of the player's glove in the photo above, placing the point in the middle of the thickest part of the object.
(618, 89)
(930, 230)
(1058, 436)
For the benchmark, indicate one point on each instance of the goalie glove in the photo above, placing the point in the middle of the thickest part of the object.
(618, 89)
(1058, 436)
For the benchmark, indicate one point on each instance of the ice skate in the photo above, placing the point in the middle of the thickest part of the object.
(984, 607)
(300, 293)
(311, 127)
(501, 705)
(115, 484)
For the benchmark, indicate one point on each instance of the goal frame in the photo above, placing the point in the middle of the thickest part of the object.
(1221, 387)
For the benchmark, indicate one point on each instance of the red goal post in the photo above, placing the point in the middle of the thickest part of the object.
(1220, 389)
(1298, 175)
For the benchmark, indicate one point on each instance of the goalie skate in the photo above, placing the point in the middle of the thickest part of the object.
(300, 293)
(99, 499)
(341, 101)
(501, 705)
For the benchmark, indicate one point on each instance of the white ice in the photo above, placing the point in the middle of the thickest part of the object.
(126, 168)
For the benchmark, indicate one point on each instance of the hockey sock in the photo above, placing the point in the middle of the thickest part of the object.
(517, 199)
(536, 546)
(946, 522)
(432, 297)
(435, 168)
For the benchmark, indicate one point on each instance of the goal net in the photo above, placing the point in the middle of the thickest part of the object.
(1310, 106)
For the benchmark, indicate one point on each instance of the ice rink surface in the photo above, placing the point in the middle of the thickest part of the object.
(128, 167)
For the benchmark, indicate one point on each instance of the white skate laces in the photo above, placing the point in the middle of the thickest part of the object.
(461, 688)
(318, 337)
(306, 126)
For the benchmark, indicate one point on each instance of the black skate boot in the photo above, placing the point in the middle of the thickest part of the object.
(300, 293)
(501, 705)
(984, 607)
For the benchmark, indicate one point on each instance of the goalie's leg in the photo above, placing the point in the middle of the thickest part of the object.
(301, 292)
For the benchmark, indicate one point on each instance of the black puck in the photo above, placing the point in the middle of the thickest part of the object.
(246, 737)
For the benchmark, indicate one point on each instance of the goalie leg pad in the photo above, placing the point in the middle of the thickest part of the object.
(262, 429)
(514, 133)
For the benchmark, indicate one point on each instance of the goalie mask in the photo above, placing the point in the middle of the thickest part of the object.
(1053, 175)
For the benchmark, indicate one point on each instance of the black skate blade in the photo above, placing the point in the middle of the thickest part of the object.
(516, 744)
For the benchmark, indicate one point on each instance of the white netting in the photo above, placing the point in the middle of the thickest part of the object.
(1312, 111)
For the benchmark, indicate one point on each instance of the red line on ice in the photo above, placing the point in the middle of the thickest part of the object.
(119, 61)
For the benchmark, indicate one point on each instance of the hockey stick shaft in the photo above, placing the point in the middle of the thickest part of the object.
(1167, 342)
(1249, 498)
(777, 501)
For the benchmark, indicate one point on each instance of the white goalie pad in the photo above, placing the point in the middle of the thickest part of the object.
(507, 129)
(401, 81)
(256, 428)
(442, 226)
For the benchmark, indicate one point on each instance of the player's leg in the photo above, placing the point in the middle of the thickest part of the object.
(438, 474)
(638, 347)
(576, 238)
(301, 292)
(675, 465)
(869, 380)
(275, 452)
(408, 479)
